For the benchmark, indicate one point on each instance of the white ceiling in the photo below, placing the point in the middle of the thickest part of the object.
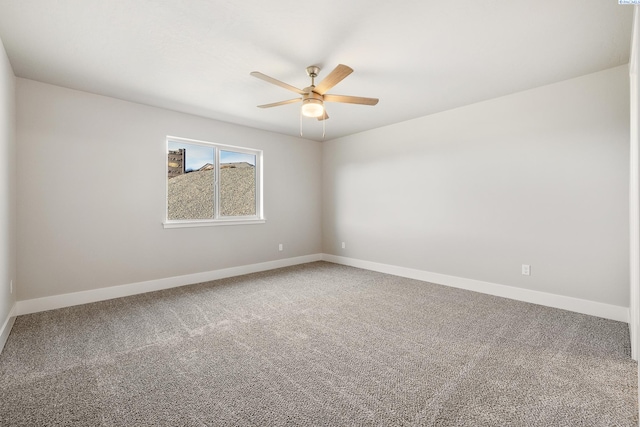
(418, 56)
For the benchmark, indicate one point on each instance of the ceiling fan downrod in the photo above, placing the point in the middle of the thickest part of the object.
(312, 71)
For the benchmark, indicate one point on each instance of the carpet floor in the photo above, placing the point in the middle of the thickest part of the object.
(318, 344)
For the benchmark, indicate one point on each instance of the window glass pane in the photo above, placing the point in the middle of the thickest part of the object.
(237, 184)
(190, 181)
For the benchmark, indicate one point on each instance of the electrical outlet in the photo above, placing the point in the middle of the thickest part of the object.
(280, 247)
(344, 245)
(526, 270)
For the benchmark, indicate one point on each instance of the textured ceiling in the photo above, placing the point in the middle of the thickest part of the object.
(418, 57)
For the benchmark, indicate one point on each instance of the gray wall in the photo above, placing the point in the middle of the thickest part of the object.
(539, 177)
(91, 180)
(7, 186)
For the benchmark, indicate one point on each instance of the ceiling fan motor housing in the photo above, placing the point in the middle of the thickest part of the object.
(311, 95)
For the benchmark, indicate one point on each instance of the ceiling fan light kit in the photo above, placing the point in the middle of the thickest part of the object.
(312, 107)
(313, 97)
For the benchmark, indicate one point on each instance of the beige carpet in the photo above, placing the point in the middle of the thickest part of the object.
(316, 345)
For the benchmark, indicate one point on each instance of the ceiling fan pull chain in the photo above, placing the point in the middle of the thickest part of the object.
(301, 122)
(323, 127)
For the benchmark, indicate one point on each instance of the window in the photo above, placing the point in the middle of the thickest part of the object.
(212, 184)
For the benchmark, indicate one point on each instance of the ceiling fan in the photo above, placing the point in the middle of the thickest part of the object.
(314, 97)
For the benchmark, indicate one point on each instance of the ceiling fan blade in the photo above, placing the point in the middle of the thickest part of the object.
(276, 82)
(334, 77)
(325, 116)
(275, 104)
(350, 99)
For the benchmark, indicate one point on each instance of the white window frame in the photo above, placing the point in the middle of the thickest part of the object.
(217, 219)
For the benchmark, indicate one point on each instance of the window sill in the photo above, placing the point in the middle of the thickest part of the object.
(211, 222)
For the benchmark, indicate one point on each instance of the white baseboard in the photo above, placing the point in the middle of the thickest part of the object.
(76, 298)
(6, 327)
(592, 308)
